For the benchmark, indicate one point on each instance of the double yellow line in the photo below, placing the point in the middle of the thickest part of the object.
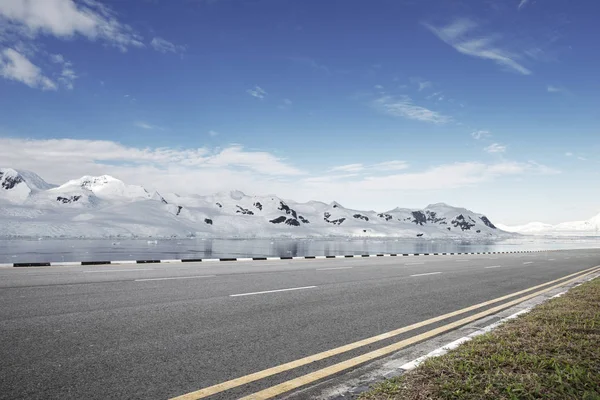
(345, 365)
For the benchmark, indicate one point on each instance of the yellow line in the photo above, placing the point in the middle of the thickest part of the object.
(353, 362)
(221, 387)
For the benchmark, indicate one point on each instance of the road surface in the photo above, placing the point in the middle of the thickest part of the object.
(156, 331)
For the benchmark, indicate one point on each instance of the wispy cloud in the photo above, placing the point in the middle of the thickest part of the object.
(67, 75)
(311, 63)
(477, 135)
(458, 34)
(257, 92)
(522, 4)
(22, 22)
(67, 18)
(212, 133)
(395, 165)
(285, 104)
(495, 148)
(348, 168)
(164, 46)
(569, 154)
(555, 89)
(15, 66)
(423, 84)
(145, 125)
(402, 106)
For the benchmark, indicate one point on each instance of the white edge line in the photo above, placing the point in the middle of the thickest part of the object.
(452, 345)
(494, 266)
(444, 349)
(174, 277)
(124, 262)
(170, 261)
(272, 291)
(244, 259)
(428, 273)
(10, 265)
(63, 263)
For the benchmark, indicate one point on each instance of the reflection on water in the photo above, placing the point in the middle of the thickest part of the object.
(102, 250)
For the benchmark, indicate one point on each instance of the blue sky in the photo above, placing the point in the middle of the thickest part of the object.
(490, 105)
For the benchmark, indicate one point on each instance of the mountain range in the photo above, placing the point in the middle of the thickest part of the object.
(103, 206)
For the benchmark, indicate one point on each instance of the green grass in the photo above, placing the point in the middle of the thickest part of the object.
(553, 352)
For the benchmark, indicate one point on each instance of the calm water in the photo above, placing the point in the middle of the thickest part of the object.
(90, 250)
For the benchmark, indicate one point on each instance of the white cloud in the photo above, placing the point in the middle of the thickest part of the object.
(581, 158)
(287, 103)
(67, 18)
(57, 58)
(23, 21)
(145, 125)
(378, 87)
(206, 171)
(257, 92)
(477, 135)
(457, 35)
(309, 62)
(403, 106)
(182, 170)
(390, 165)
(569, 154)
(554, 89)
(522, 4)
(213, 133)
(423, 84)
(67, 76)
(495, 148)
(348, 168)
(164, 46)
(15, 66)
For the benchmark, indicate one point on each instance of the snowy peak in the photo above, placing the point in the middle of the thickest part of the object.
(105, 187)
(16, 185)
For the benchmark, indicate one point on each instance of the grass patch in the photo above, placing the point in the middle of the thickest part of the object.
(553, 352)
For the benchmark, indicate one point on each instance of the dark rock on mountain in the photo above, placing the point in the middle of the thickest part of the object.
(278, 220)
(66, 200)
(178, 209)
(244, 211)
(258, 205)
(432, 217)
(287, 209)
(304, 220)
(487, 222)
(478, 231)
(419, 234)
(360, 216)
(220, 205)
(292, 221)
(461, 222)
(208, 221)
(11, 181)
(326, 215)
(419, 217)
(386, 216)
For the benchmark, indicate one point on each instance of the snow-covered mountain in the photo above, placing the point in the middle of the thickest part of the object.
(591, 227)
(107, 207)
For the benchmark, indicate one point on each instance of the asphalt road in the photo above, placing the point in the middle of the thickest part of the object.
(154, 331)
